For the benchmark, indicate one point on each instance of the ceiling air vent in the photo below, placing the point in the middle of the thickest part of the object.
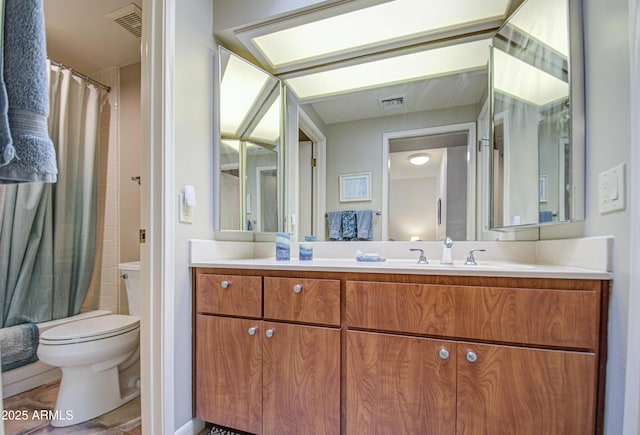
(130, 18)
(393, 103)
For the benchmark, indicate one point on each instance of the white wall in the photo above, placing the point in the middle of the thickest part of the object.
(608, 144)
(193, 162)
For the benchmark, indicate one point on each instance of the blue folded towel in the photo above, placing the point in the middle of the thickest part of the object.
(334, 219)
(7, 151)
(349, 225)
(546, 216)
(18, 345)
(364, 224)
(26, 80)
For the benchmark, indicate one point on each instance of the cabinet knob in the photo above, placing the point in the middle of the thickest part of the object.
(252, 330)
(297, 288)
(225, 284)
(269, 333)
(443, 354)
(472, 357)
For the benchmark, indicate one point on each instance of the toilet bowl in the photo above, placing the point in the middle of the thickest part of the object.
(99, 358)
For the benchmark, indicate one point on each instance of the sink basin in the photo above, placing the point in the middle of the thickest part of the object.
(482, 265)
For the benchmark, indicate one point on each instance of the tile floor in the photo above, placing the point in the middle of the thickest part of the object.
(121, 421)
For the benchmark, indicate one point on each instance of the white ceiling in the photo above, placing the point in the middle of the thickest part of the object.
(81, 37)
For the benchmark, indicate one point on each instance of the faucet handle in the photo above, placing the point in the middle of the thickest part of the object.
(471, 261)
(422, 259)
(448, 242)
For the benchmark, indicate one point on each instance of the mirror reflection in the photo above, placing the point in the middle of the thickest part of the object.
(250, 124)
(366, 106)
(532, 150)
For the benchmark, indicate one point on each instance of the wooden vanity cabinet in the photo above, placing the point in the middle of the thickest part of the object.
(277, 373)
(364, 353)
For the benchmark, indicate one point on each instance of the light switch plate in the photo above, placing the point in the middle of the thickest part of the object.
(611, 194)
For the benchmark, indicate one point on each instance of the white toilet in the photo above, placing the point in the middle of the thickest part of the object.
(99, 358)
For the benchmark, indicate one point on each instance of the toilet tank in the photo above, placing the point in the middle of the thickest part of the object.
(130, 272)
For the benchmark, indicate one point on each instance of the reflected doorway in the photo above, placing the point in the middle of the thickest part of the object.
(435, 199)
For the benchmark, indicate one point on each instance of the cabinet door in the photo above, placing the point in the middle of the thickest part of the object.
(400, 385)
(301, 376)
(507, 390)
(228, 378)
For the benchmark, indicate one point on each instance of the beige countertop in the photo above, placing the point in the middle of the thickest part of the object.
(406, 266)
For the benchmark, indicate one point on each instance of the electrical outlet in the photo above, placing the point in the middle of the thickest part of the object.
(186, 213)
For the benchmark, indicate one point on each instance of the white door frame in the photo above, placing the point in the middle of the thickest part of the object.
(470, 127)
(157, 217)
(306, 124)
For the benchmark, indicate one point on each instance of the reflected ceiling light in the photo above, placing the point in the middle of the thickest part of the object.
(514, 77)
(241, 85)
(268, 129)
(421, 65)
(418, 159)
(363, 28)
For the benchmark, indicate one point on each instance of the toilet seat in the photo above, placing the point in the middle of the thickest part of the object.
(92, 329)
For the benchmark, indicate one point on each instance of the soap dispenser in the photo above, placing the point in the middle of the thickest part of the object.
(447, 256)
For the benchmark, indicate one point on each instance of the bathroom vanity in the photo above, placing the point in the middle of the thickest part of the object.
(284, 347)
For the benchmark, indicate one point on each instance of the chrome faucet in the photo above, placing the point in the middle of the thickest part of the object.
(422, 259)
(471, 261)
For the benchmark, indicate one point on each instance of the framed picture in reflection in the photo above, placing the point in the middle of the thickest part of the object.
(355, 187)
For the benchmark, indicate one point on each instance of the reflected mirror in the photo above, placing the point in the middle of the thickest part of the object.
(536, 157)
(250, 143)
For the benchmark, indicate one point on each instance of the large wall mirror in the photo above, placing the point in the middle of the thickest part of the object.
(538, 152)
(363, 109)
(249, 162)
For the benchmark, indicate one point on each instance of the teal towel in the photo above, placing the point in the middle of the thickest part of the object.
(7, 151)
(18, 345)
(26, 80)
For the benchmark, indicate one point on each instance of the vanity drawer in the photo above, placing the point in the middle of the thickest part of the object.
(410, 308)
(302, 300)
(558, 318)
(232, 295)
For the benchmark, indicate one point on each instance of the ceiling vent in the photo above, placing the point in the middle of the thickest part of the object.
(393, 103)
(130, 18)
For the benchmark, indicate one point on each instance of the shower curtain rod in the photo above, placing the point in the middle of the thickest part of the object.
(78, 74)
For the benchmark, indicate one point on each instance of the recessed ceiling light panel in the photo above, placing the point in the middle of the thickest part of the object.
(387, 22)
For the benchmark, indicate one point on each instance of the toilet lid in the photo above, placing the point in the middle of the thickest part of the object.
(95, 328)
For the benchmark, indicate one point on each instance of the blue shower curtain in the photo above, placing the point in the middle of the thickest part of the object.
(48, 231)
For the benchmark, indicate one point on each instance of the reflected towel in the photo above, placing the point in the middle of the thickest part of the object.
(364, 224)
(18, 345)
(349, 225)
(334, 219)
(26, 79)
(546, 216)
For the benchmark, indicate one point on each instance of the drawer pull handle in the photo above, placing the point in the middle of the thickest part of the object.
(252, 330)
(443, 354)
(472, 357)
(297, 288)
(269, 333)
(225, 284)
